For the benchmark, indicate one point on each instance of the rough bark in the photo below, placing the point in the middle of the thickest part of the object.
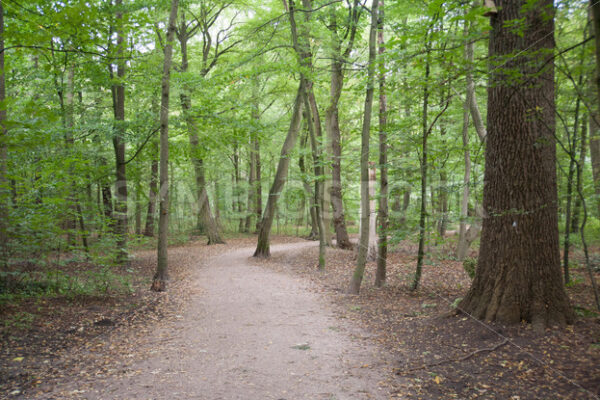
(380, 274)
(264, 233)
(160, 277)
(518, 274)
(363, 246)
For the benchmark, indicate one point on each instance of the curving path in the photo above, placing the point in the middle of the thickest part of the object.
(251, 333)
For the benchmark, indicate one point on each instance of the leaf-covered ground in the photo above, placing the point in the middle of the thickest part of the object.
(441, 355)
(437, 354)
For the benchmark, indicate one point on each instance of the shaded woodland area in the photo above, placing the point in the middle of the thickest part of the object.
(445, 149)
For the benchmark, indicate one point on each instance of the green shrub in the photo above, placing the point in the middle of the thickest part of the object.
(470, 265)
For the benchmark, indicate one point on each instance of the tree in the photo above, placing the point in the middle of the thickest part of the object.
(518, 273)
(159, 283)
(363, 246)
(3, 149)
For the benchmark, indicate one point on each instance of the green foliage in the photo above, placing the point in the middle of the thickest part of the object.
(470, 266)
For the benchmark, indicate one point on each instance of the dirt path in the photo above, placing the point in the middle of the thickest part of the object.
(249, 333)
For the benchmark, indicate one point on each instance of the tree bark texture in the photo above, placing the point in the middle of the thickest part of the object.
(518, 275)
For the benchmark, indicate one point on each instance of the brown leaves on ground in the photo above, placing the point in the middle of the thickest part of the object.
(441, 355)
(93, 335)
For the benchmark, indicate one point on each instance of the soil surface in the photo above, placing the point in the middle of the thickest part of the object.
(247, 332)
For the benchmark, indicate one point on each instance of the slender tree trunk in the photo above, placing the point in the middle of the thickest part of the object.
(332, 126)
(462, 247)
(580, 164)
(363, 246)
(518, 275)
(159, 283)
(595, 156)
(372, 247)
(120, 210)
(314, 230)
(251, 192)
(573, 167)
(317, 163)
(443, 202)
(380, 275)
(264, 233)
(258, 186)
(4, 196)
(424, 150)
(152, 192)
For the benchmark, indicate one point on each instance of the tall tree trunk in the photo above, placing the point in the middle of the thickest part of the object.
(314, 229)
(159, 282)
(332, 126)
(251, 193)
(4, 196)
(258, 186)
(463, 245)
(206, 222)
(518, 274)
(363, 246)
(594, 126)
(424, 150)
(120, 210)
(152, 192)
(580, 164)
(372, 246)
(380, 275)
(574, 166)
(595, 116)
(264, 233)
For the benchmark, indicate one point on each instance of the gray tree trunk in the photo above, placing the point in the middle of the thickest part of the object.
(363, 246)
(159, 282)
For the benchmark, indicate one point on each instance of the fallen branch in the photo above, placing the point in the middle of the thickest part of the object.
(464, 358)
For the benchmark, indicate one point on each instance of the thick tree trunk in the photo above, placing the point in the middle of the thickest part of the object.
(160, 277)
(380, 275)
(363, 246)
(518, 273)
(264, 233)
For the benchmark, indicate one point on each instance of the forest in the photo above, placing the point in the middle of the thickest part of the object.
(433, 167)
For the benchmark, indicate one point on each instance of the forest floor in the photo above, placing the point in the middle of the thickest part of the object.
(234, 327)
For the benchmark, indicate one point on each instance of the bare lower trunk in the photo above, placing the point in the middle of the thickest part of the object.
(462, 247)
(4, 196)
(380, 275)
(314, 230)
(152, 193)
(595, 156)
(159, 282)
(120, 210)
(363, 246)
(518, 274)
(263, 245)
